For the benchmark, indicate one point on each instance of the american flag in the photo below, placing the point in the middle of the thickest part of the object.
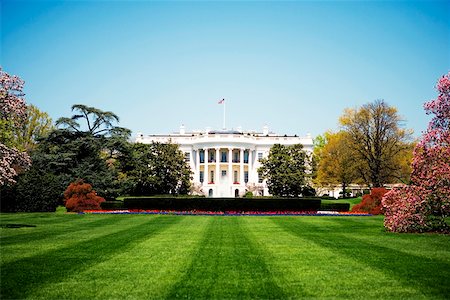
(221, 101)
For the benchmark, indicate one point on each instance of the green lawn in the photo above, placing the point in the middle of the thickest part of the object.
(144, 256)
(352, 201)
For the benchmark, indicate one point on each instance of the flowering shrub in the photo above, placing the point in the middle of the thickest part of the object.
(13, 113)
(80, 196)
(424, 205)
(405, 209)
(371, 203)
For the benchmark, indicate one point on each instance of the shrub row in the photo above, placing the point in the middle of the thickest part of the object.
(223, 204)
(335, 206)
(112, 205)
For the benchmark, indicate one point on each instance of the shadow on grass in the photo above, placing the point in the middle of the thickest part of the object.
(21, 277)
(70, 226)
(227, 265)
(431, 277)
(9, 225)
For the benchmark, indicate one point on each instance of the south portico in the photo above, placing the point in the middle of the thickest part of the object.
(223, 170)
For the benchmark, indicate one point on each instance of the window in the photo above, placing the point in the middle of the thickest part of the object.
(211, 157)
(224, 173)
(224, 157)
(235, 157)
(212, 177)
(235, 177)
(202, 156)
(202, 175)
(246, 157)
(260, 178)
(187, 156)
(260, 156)
(246, 176)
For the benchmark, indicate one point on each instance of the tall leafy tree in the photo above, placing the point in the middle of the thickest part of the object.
(318, 143)
(13, 114)
(38, 124)
(377, 138)
(337, 163)
(285, 170)
(157, 169)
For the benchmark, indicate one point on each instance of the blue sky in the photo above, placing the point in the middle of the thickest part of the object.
(291, 65)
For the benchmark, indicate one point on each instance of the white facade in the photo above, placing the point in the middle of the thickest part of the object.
(225, 162)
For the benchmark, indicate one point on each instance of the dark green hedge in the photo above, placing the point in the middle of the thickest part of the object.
(223, 204)
(112, 205)
(335, 206)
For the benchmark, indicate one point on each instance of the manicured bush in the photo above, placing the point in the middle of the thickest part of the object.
(112, 205)
(371, 203)
(223, 204)
(80, 196)
(335, 206)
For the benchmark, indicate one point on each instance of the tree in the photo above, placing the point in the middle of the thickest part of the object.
(376, 139)
(97, 122)
(371, 203)
(34, 191)
(424, 205)
(337, 161)
(80, 196)
(157, 169)
(64, 155)
(12, 117)
(318, 143)
(91, 142)
(38, 124)
(285, 170)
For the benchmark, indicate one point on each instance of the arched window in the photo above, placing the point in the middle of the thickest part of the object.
(210, 193)
(236, 193)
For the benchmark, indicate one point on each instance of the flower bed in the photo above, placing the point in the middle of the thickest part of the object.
(224, 213)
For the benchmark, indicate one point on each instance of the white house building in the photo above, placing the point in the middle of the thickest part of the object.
(225, 162)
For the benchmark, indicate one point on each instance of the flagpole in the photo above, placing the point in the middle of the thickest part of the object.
(224, 103)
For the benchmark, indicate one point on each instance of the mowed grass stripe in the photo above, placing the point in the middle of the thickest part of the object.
(50, 237)
(434, 246)
(70, 227)
(307, 270)
(145, 270)
(226, 265)
(409, 276)
(19, 278)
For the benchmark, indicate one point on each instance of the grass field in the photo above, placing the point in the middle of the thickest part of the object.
(352, 201)
(148, 256)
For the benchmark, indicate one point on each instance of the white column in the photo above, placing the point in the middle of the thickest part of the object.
(206, 175)
(250, 166)
(192, 164)
(230, 166)
(241, 166)
(197, 164)
(217, 181)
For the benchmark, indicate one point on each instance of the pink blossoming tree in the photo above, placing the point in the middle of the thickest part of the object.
(12, 115)
(424, 205)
